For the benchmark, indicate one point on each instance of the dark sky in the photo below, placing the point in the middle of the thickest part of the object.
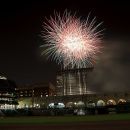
(21, 25)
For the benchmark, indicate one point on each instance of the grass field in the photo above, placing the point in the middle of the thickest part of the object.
(62, 119)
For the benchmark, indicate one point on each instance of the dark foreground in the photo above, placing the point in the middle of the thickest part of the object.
(104, 125)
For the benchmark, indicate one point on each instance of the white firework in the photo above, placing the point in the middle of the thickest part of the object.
(71, 41)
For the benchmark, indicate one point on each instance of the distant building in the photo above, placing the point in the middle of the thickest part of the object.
(72, 82)
(31, 95)
(8, 98)
(36, 90)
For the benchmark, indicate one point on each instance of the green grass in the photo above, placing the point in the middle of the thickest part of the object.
(62, 119)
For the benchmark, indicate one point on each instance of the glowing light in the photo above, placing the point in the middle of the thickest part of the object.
(71, 41)
(2, 77)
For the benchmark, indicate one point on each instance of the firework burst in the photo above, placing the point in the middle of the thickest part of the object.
(71, 41)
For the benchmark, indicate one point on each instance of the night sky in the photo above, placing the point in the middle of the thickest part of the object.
(21, 26)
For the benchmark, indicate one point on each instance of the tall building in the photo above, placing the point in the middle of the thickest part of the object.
(8, 98)
(72, 81)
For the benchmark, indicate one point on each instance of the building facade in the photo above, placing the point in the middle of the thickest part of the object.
(43, 95)
(8, 98)
(31, 95)
(72, 81)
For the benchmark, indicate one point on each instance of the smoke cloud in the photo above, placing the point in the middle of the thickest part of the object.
(112, 70)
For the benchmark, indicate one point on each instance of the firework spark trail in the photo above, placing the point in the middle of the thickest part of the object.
(70, 40)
